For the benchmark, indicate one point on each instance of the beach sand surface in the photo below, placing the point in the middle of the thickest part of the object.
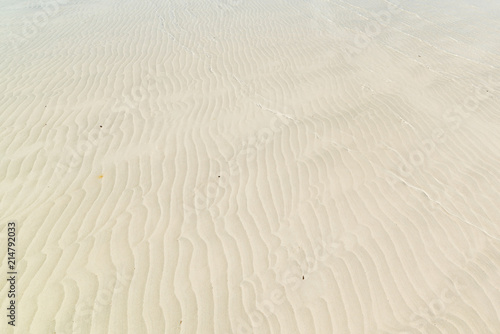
(259, 166)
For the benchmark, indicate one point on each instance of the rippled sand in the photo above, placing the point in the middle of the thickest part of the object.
(257, 166)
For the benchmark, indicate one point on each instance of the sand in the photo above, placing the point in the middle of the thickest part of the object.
(258, 166)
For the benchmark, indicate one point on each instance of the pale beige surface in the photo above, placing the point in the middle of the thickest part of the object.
(252, 166)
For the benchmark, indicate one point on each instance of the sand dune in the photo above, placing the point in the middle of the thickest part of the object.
(322, 166)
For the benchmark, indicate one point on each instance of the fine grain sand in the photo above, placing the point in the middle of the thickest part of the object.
(260, 166)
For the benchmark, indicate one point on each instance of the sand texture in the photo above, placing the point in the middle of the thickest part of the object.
(260, 166)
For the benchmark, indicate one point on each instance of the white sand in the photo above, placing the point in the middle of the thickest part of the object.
(254, 166)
